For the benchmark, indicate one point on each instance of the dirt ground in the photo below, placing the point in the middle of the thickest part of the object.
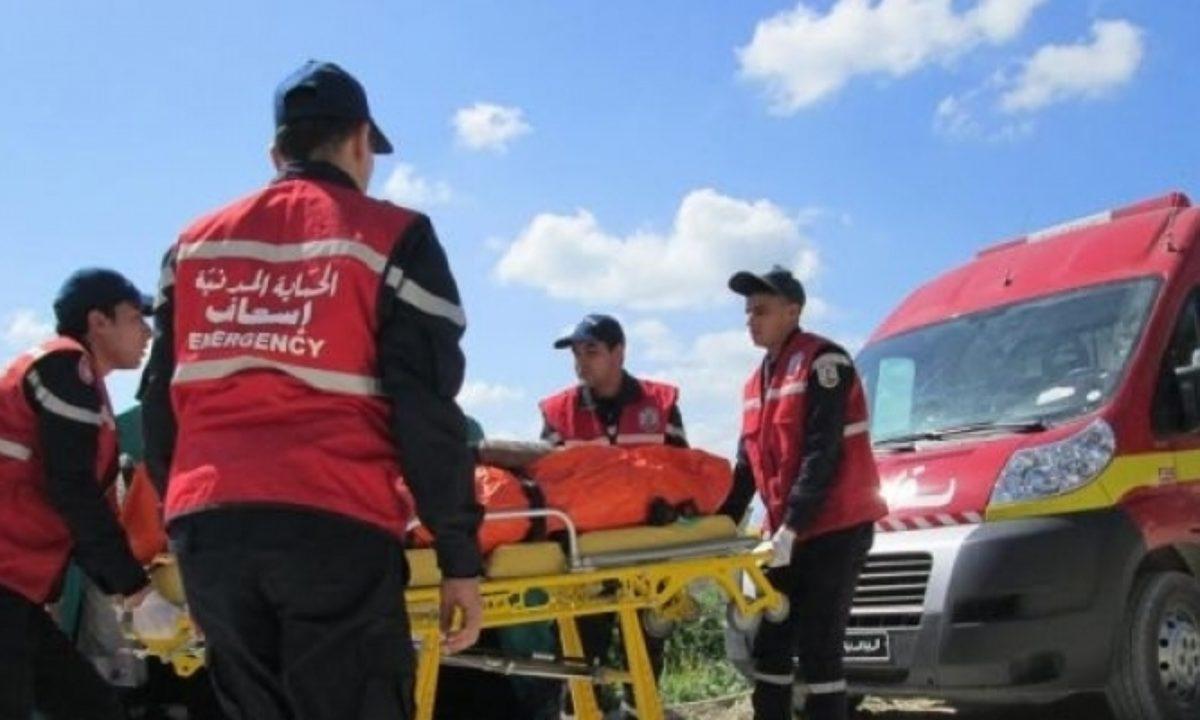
(916, 709)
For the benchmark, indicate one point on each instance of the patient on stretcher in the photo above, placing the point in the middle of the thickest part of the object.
(617, 499)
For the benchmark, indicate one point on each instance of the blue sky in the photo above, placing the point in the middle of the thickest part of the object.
(622, 157)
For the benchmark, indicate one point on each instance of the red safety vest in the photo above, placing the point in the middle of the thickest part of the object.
(773, 440)
(35, 542)
(642, 422)
(276, 390)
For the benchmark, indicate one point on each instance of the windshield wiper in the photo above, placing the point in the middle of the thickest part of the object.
(910, 438)
(1025, 426)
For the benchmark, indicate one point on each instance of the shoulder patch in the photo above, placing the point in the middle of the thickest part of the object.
(827, 375)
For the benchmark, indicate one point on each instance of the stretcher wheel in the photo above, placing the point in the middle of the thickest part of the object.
(778, 613)
(740, 621)
(656, 625)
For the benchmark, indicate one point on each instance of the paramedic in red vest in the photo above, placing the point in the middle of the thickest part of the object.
(299, 407)
(610, 407)
(805, 448)
(58, 458)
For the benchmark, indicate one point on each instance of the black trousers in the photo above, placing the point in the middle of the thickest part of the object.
(819, 584)
(302, 612)
(40, 669)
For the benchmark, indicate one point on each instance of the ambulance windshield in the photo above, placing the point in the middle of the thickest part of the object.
(1036, 361)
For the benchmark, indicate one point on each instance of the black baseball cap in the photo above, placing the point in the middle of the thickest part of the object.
(776, 281)
(96, 289)
(323, 90)
(594, 328)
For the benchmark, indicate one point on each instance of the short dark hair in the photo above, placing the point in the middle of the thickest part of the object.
(76, 326)
(301, 139)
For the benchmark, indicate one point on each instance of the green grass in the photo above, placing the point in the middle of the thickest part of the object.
(696, 668)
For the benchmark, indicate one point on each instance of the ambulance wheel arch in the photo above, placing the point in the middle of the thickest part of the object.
(1156, 666)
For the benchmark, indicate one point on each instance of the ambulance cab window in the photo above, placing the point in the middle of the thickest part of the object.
(1177, 398)
(1033, 362)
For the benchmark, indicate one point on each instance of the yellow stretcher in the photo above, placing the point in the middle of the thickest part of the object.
(639, 574)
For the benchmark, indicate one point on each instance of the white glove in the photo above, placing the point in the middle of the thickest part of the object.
(155, 618)
(782, 544)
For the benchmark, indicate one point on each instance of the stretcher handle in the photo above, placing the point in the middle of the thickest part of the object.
(568, 523)
(572, 533)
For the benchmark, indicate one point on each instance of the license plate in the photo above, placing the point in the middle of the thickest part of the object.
(872, 646)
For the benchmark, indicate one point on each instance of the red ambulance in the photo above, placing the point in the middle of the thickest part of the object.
(1036, 419)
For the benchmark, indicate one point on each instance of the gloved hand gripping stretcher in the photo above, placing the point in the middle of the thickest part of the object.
(641, 574)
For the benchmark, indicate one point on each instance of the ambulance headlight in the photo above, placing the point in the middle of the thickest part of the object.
(1056, 468)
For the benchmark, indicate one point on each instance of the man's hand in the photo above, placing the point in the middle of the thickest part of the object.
(783, 542)
(130, 603)
(460, 601)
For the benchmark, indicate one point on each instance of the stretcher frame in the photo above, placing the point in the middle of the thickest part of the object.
(649, 584)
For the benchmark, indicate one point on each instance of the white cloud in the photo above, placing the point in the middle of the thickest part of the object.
(1002, 107)
(503, 411)
(24, 328)
(1083, 70)
(477, 394)
(803, 56)
(653, 340)
(405, 187)
(714, 365)
(967, 117)
(572, 257)
(486, 126)
(710, 372)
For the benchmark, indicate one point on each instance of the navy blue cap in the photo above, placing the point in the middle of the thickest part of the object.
(324, 90)
(776, 281)
(96, 289)
(594, 328)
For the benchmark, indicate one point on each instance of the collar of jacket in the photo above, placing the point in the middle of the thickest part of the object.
(768, 363)
(630, 390)
(315, 170)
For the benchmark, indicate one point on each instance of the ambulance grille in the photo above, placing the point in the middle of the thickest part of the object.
(891, 591)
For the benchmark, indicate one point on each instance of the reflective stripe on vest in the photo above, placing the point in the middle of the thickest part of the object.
(15, 450)
(797, 387)
(64, 409)
(593, 441)
(857, 428)
(852, 429)
(622, 439)
(328, 380)
(283, 253)
(641, 438)
(410, 292)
